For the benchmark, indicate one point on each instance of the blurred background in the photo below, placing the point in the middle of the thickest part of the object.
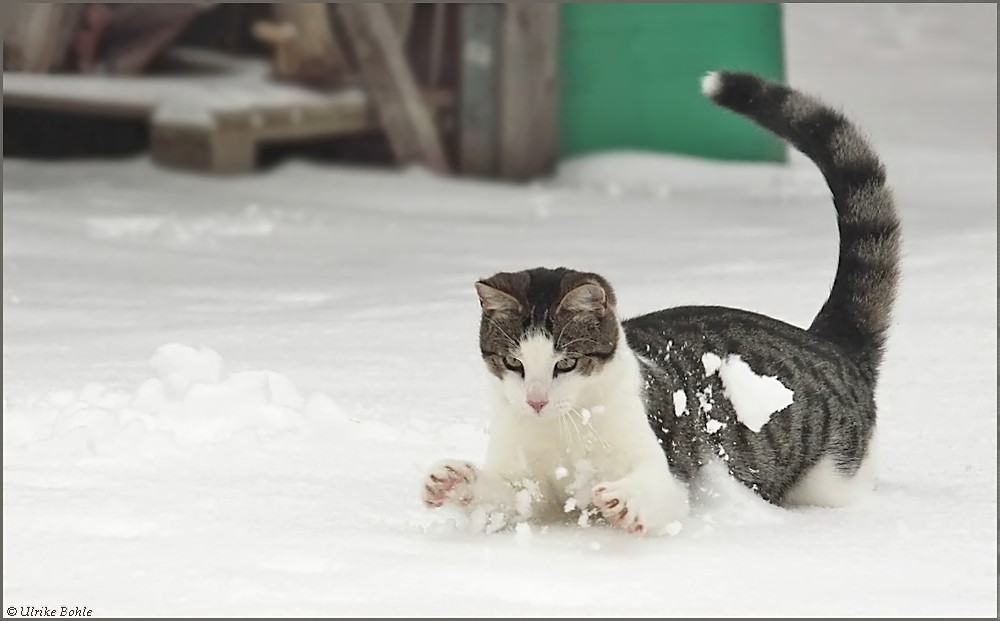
(490, 90)
(493, 90)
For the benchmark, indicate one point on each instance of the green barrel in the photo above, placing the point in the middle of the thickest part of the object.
(630, 77)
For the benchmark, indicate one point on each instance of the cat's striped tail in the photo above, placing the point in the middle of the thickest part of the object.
(856, 315)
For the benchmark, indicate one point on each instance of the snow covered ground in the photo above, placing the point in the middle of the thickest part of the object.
(220, 396)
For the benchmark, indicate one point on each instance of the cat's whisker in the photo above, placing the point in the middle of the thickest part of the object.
(580, 432)
(568, 324)
(572, 425)
(589, 426)
(509, 338)
(578, 340)
(559, 420)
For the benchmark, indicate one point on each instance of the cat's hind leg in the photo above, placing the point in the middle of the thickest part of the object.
(827, 484)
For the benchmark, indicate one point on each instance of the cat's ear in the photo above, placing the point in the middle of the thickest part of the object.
(493, 299)
(587, 298)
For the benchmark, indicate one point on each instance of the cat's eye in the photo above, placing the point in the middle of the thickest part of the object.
(565, 364)
(513, 363)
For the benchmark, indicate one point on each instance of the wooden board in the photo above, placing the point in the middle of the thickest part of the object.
(209, 121)
(136, 34)
(528, 89)
(407, 121)
(37, 37)
(478, 119)
(313, 54)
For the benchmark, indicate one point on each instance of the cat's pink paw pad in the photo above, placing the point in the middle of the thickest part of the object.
(614, 505)
(449, 480)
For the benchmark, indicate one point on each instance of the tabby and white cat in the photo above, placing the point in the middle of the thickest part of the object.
(591, 413)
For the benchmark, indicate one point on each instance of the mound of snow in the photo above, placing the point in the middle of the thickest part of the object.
(174, 229)
(190, 401)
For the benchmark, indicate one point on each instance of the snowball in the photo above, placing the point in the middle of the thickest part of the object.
(178, 366)
(523, 532)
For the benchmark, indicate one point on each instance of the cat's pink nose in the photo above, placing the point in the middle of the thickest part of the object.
(537, 405)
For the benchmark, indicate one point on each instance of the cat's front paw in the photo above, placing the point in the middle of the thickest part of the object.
(449, 481)
(619, 507)
(638, 507)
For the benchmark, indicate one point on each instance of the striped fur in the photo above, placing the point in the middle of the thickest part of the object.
(832, 367)
(856, 315)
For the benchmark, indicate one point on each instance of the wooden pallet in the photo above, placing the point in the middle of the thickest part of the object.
(212, 116)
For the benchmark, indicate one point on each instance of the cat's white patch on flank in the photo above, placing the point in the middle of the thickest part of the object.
(754, 397)
(824, 485)
(711, 362)
(680, 403)
(711, 84)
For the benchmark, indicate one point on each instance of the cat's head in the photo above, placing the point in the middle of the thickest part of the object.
(546, 334)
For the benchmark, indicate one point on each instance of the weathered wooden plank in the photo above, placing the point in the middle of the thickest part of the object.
(401, 14)
(136, 34)
(405, 117)
(478, 120)
(312, 55)
(37, 37)
(528, 89)
(212, 124)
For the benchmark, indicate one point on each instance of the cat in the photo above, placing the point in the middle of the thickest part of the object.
(615, 419)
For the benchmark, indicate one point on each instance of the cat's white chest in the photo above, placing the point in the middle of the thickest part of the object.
(567, 454)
